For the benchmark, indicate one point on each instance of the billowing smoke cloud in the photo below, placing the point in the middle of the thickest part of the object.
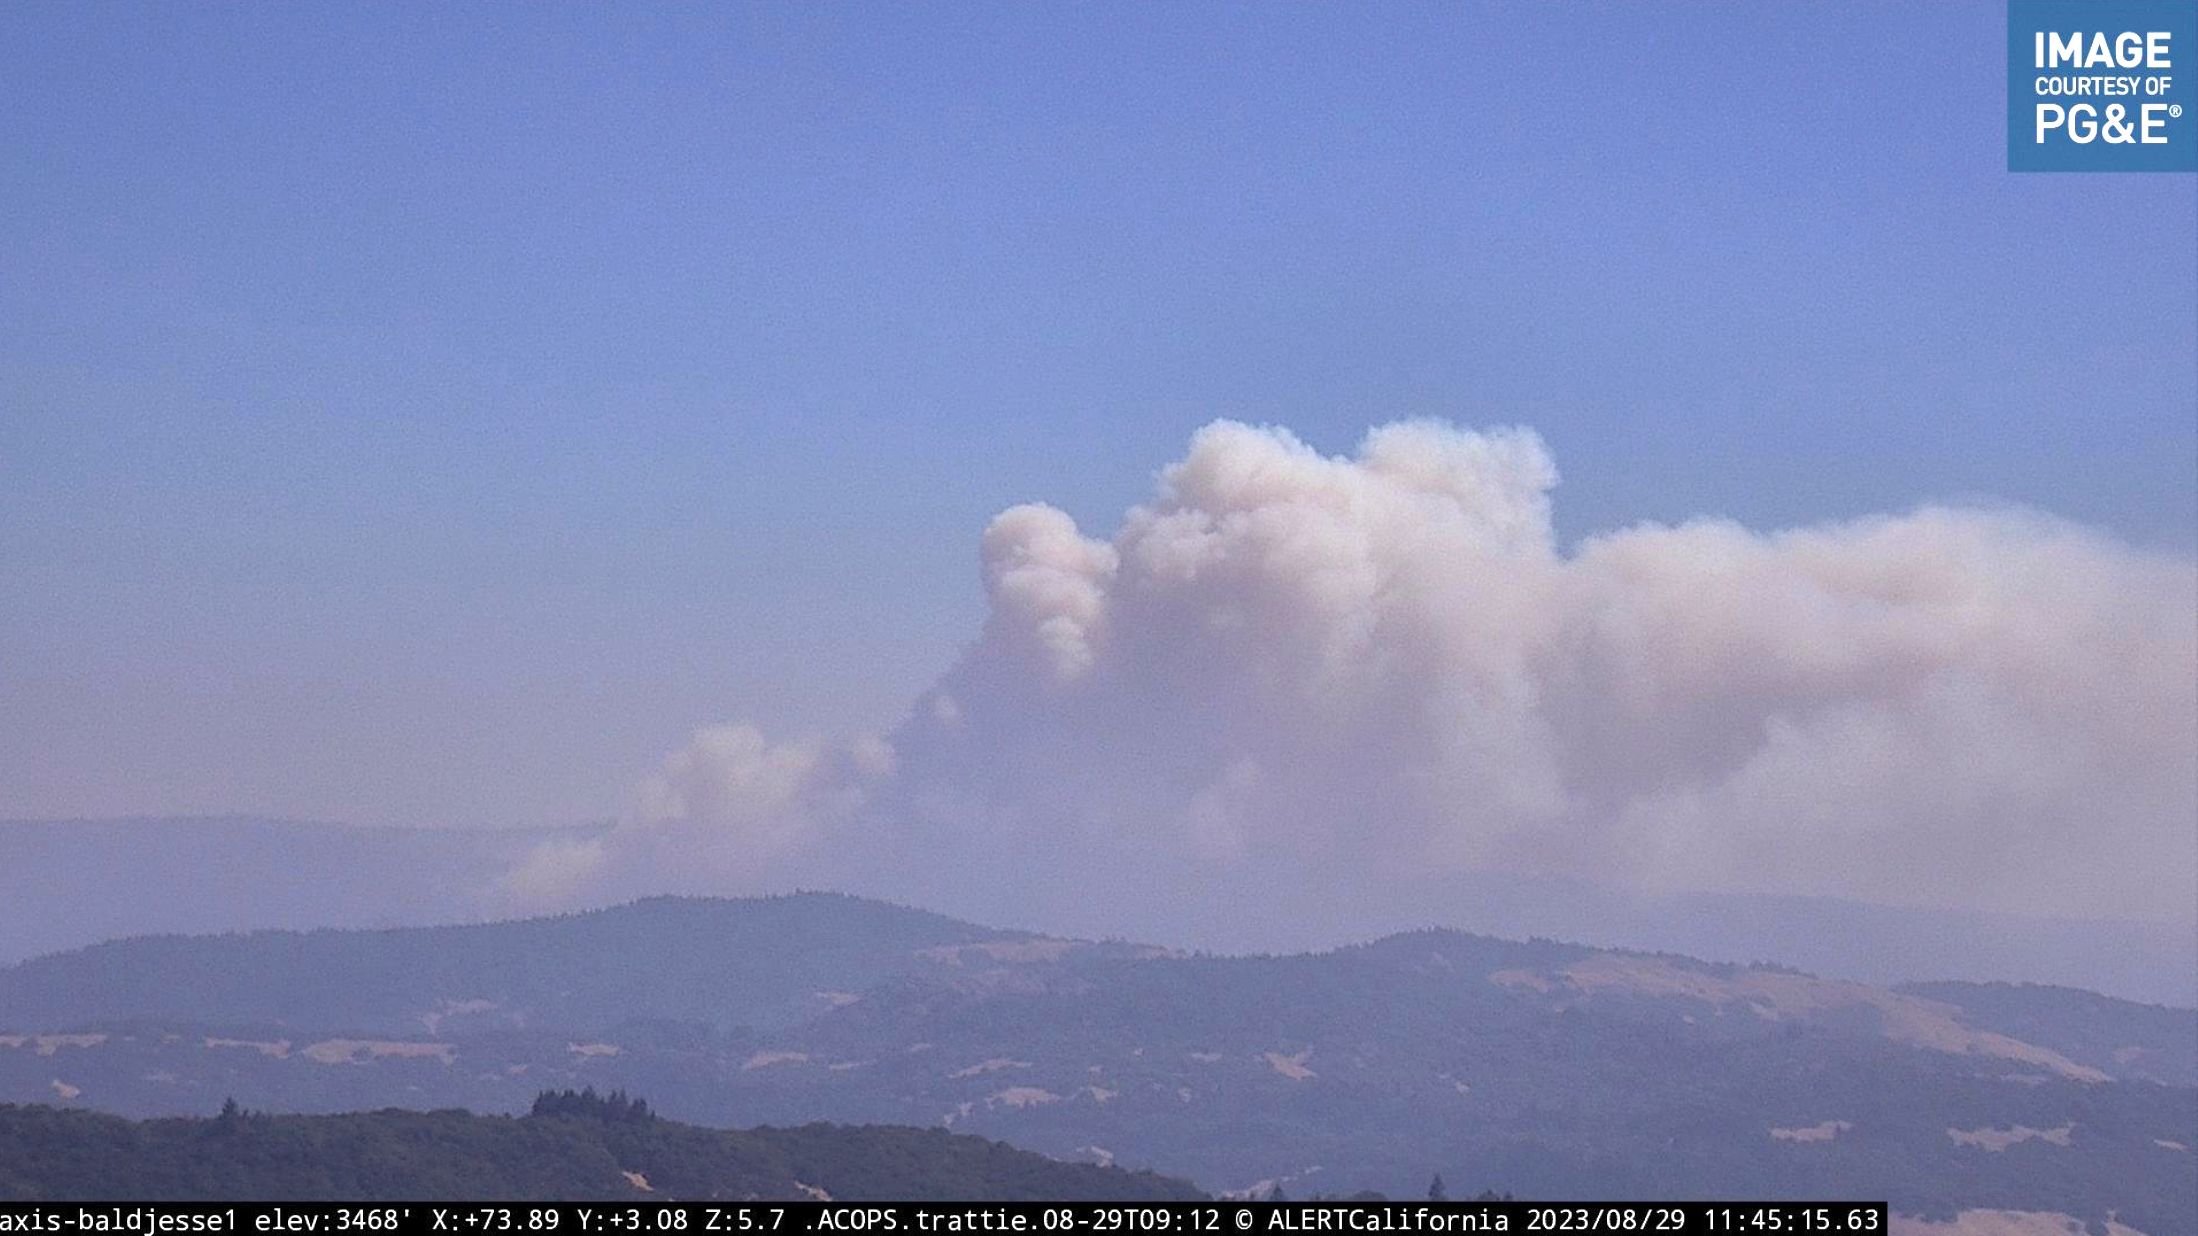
(727, 807)
(1291, 680)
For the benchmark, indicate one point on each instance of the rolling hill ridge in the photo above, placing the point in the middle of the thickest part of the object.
(1543, 1068)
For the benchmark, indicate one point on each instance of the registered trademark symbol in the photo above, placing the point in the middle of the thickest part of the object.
(2174, 110)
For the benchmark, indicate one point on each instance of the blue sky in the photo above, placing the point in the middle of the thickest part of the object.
(433, 413)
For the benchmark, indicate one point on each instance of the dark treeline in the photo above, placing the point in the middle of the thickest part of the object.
(574, 1146)
(613, 1108)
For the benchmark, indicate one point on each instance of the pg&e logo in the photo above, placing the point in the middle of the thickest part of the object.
(2102, 85)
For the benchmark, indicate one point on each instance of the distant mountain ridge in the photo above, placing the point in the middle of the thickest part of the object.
(1550, 1069)
(720, 962)
(69, 883)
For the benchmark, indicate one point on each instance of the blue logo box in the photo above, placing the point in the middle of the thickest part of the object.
(2102, 85)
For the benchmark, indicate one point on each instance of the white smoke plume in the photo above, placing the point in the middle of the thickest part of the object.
(1290, 680)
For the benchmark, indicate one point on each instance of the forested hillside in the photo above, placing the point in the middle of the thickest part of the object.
(584, 1148)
